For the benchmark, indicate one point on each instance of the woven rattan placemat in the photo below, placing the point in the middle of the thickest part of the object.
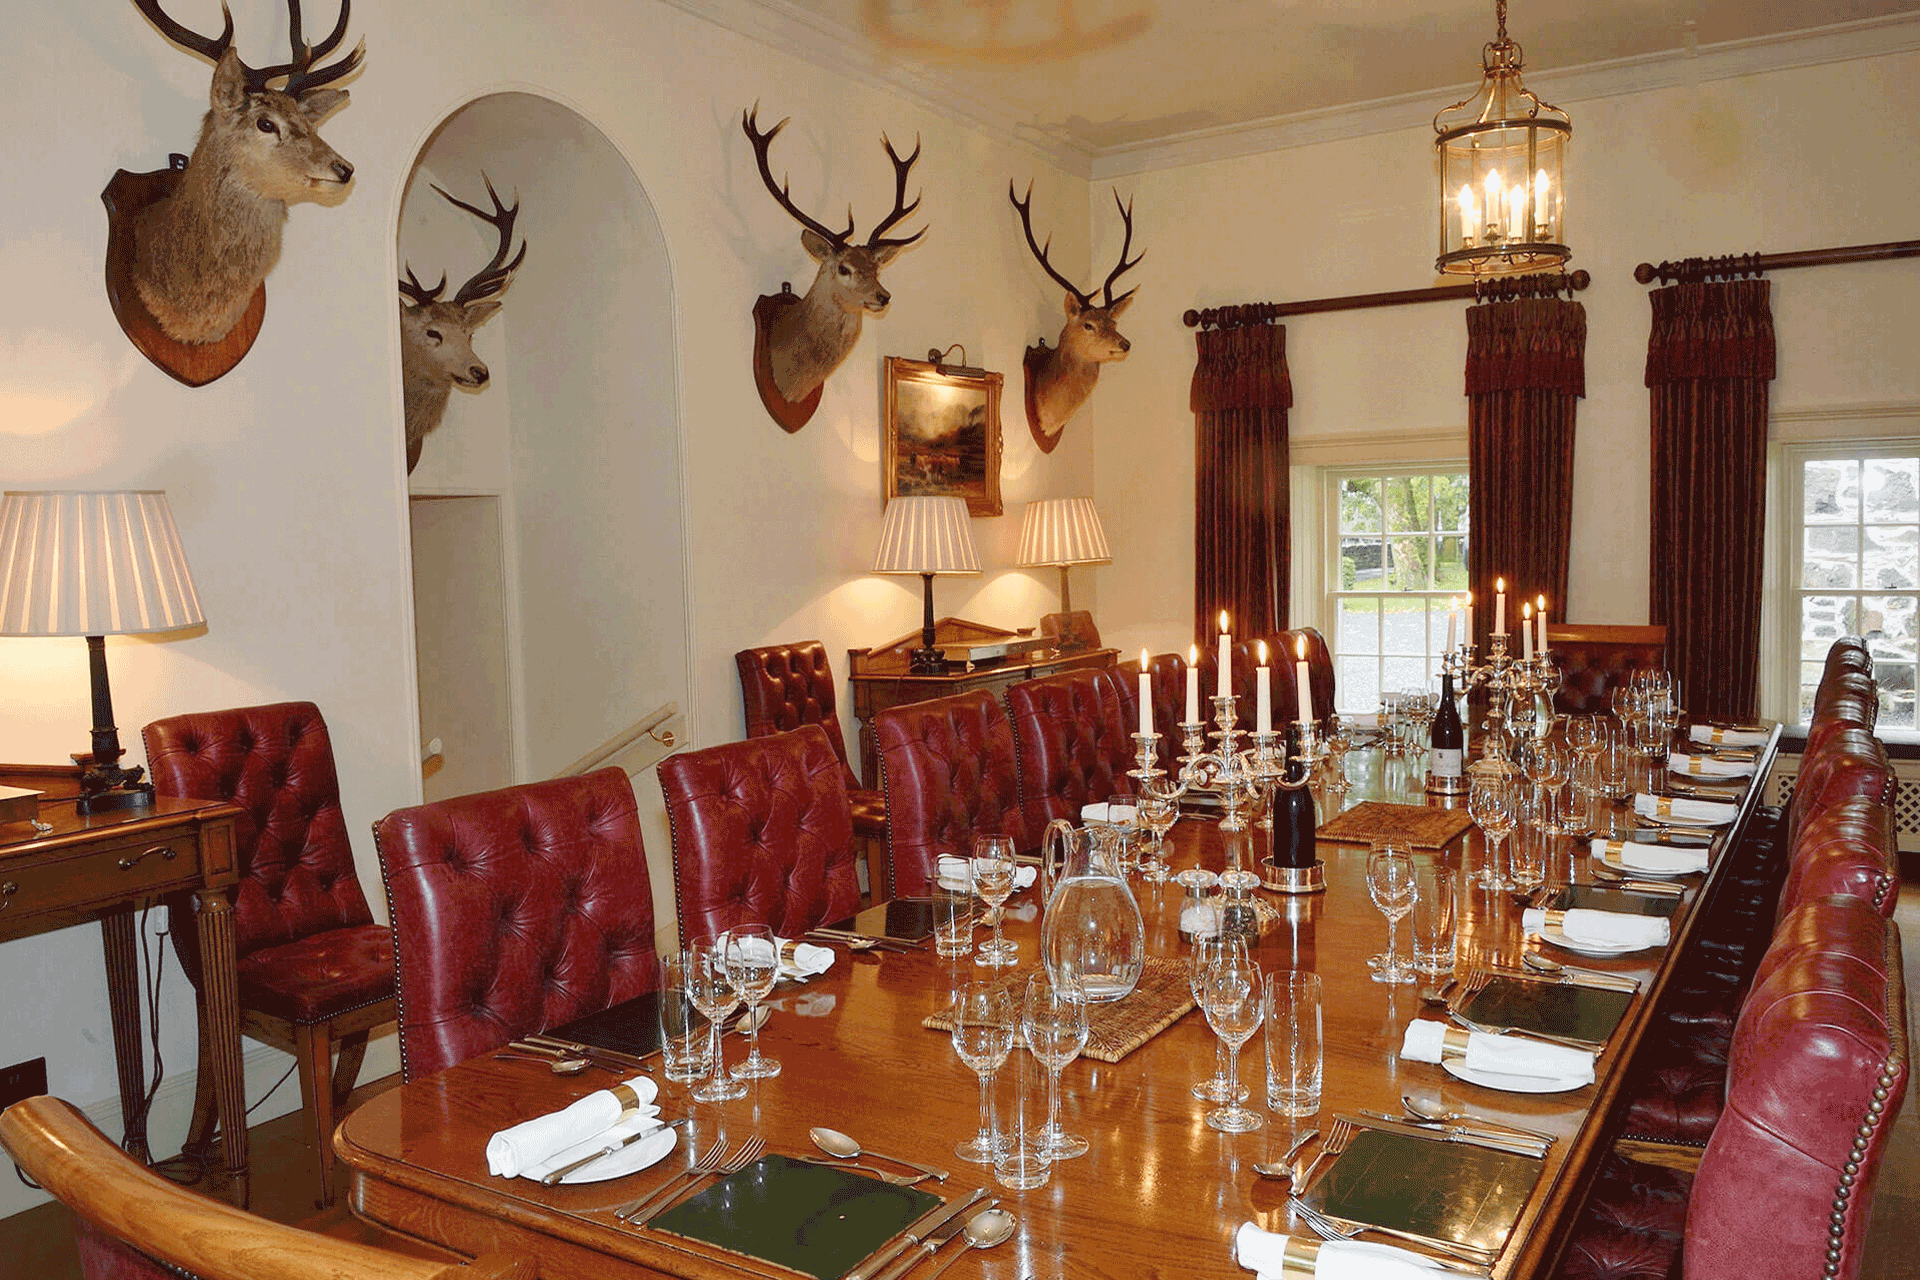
(1425, 826)
(1116, 1030)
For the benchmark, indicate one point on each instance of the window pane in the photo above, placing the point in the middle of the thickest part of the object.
(1405, 673)
(1810, 673)
(1358, 627)
(1823, 619)
(1830, 488)
(1450, 502)
(1409, 501)
(1408, 559)
(1358, 690)
(1437, 627)
(1891, 559)
(1361, 560)
(1360, 505)
(1829, 556)
(1889, 485)
(1887, 622)
(1403, 626)
(1896, 683)
(1450, 573)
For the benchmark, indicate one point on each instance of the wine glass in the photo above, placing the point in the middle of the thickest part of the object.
(984, 1020)
(1541, 759)
(1490, 803)
(1054, 1019)
(753, 962)
(715, 997)
(1390, 885)
(992, 870)
(1159, 811)
(1230, 997)
(1123, 816)
(1207, 955)
(1556, 772)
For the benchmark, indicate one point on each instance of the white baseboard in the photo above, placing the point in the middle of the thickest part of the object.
(173, 1106)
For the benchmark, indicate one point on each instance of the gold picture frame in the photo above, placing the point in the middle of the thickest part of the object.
(941, 435)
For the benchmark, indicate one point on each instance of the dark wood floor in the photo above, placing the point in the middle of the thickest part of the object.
(37, 1242)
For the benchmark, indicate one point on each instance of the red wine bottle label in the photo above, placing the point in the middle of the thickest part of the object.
(1445, 762)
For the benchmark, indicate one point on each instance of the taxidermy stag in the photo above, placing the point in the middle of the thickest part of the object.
(799, 341)
(436, 338)
(200, 253)
(1060, 379)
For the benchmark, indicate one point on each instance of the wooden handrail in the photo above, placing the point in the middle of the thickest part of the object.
(1694, 270)
(1541, 284)
(644, 727)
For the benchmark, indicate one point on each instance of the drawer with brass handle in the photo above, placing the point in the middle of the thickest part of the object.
(99, 875)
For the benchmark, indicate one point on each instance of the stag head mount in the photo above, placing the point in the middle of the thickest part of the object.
(436, 338)
(199, 242)
(800, 340)
(1061, 378)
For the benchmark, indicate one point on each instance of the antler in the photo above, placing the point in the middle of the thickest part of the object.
(186, 37)
(761, 143)
(420, 294)
(300, 73)
(901, 211)
(1040, 252)
(1126, 216)
(493, 277)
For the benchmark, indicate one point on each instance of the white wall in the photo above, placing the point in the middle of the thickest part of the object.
(286, 476)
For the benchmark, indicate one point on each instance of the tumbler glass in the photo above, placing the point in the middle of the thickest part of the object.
(1435, 888)
(686, 1034)
(1294, 1052)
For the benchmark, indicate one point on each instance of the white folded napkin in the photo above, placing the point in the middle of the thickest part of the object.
(1107, 813)
(803, 959)
(953, 873)
(1728, 737)
(1514, 1055)
(1602, 928)
(512, 1151)
(1265, 1251)
(1705, 766)
(1652, 859)
(1710, 813)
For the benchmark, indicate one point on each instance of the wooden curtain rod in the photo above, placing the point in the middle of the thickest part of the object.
(1540, 285)
(1727, 266)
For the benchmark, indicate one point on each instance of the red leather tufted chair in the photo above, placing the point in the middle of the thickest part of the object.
(784, 686)
(761, 834)
(1596, 658)
(1072, 742)
(1849, 847)
(949, 772)
(1848, 761)
(314, 969)
(514, 911)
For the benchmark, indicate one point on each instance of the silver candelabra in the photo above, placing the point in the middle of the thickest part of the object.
(1510, 683)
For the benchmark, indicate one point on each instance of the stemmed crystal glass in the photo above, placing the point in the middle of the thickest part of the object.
(1230, 997)
(992, 869)
(1054, 1019)
(1586, 734)
(714, 996)
(1208, 953)
(1159, 812)
(753, 962)
(1542, 760)
(985, 1020)
(1490, 803)
(1390, 885)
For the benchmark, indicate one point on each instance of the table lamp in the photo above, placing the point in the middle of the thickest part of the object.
(1064, 532)
(926, 536)
(95, 565)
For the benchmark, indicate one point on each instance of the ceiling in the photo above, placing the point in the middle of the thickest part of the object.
(1134, 74)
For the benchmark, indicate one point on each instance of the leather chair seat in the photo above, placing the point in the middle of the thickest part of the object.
(1849, 848)
(869, 814)
(1632, 1224)
(320, 976)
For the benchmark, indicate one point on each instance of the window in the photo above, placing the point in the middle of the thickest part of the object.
(1397, 548)
(1853, 555)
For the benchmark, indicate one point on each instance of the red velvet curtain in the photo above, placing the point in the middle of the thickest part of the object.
(1709, 359)
(1241, 546)
(1526, 372)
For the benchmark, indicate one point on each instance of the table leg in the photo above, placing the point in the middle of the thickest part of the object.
(117, 934)
(221, 999)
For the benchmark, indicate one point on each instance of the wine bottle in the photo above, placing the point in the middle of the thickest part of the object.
(1446, 761)
(1293, 820)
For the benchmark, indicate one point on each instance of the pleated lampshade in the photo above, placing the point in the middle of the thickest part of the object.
(92, 564)
(1062, 531)
(926, 535)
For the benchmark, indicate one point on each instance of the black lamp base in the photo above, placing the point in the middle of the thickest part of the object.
(109, 799)
(105, 786)
(927, 662)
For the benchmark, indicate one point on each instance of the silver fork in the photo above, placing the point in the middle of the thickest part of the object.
(1337, 1139)
(1335, 1229)
(716, 1156)
(745, 1156)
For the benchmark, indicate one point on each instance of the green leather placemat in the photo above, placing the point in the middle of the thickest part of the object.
(1555, 1008)
(632, 1026)
(1443, 1190)
(1598, 898)
(908, 919)
(807, 1218)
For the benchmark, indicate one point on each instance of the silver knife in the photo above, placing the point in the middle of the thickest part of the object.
(589, 1050)
(565, 1169)
(1512, 1146)
(1466, 1132)
(930, 1221)
(930, 1245)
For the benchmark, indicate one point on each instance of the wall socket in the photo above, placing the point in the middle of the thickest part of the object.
(22, 1080)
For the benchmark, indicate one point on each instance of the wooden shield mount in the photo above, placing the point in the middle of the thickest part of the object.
(1032, 362)
(790, 414)
(194, 363)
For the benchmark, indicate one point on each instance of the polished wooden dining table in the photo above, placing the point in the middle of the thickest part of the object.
(1159, 1194)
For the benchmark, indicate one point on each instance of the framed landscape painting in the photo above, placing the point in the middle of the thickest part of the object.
(942, 434)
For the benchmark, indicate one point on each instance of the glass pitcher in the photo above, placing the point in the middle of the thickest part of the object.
(1093, 931)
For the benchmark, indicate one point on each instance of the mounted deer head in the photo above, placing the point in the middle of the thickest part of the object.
(199, 254)
(436, 338)
(1060, 379)
(806, 340)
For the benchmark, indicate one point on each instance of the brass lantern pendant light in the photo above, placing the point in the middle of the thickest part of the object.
(1503, 159)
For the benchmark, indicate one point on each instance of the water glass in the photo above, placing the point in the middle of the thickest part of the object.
(1435, 888)
(952, 920)
(686, 1034)
(715, 997)
(985, 1022)
(1231, 997)
(1390, 884)
(1053, 1019)
(992, 870)
(753, 962)
(1527, 865)
(1291, 1009)
(1021, 1157)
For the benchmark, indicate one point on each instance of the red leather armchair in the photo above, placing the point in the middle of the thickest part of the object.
(514, 911)
(761, 834)
(1847, 762)
(314, 970)
(949, 773)
(1596, 658)
(1849, 847)
(1072, 741)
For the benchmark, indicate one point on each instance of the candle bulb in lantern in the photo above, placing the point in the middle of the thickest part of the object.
(1193, 684)
(1540, 203)
(1492, 205)
(1469, 215)
(1146, 694)
(1226, 659)
(1540, 614)
(1263, 694)
(1526, 633)
(1499, 606)
(1517, 211)
(1302, 687)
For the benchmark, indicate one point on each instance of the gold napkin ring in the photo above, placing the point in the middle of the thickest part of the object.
(628, 1099)
(1300, 1257)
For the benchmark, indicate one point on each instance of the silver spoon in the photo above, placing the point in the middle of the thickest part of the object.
(559, 1066)
(1282, 1169)
(984, 1230)
(841, 1147)
(1440, 1115)
(1540, 964)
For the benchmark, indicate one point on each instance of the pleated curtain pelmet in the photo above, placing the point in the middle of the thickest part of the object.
(1709, 360)
(1526, 374)
(1241, 544)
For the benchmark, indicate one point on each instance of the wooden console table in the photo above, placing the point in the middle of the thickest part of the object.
(880, 679)
(103, 868)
